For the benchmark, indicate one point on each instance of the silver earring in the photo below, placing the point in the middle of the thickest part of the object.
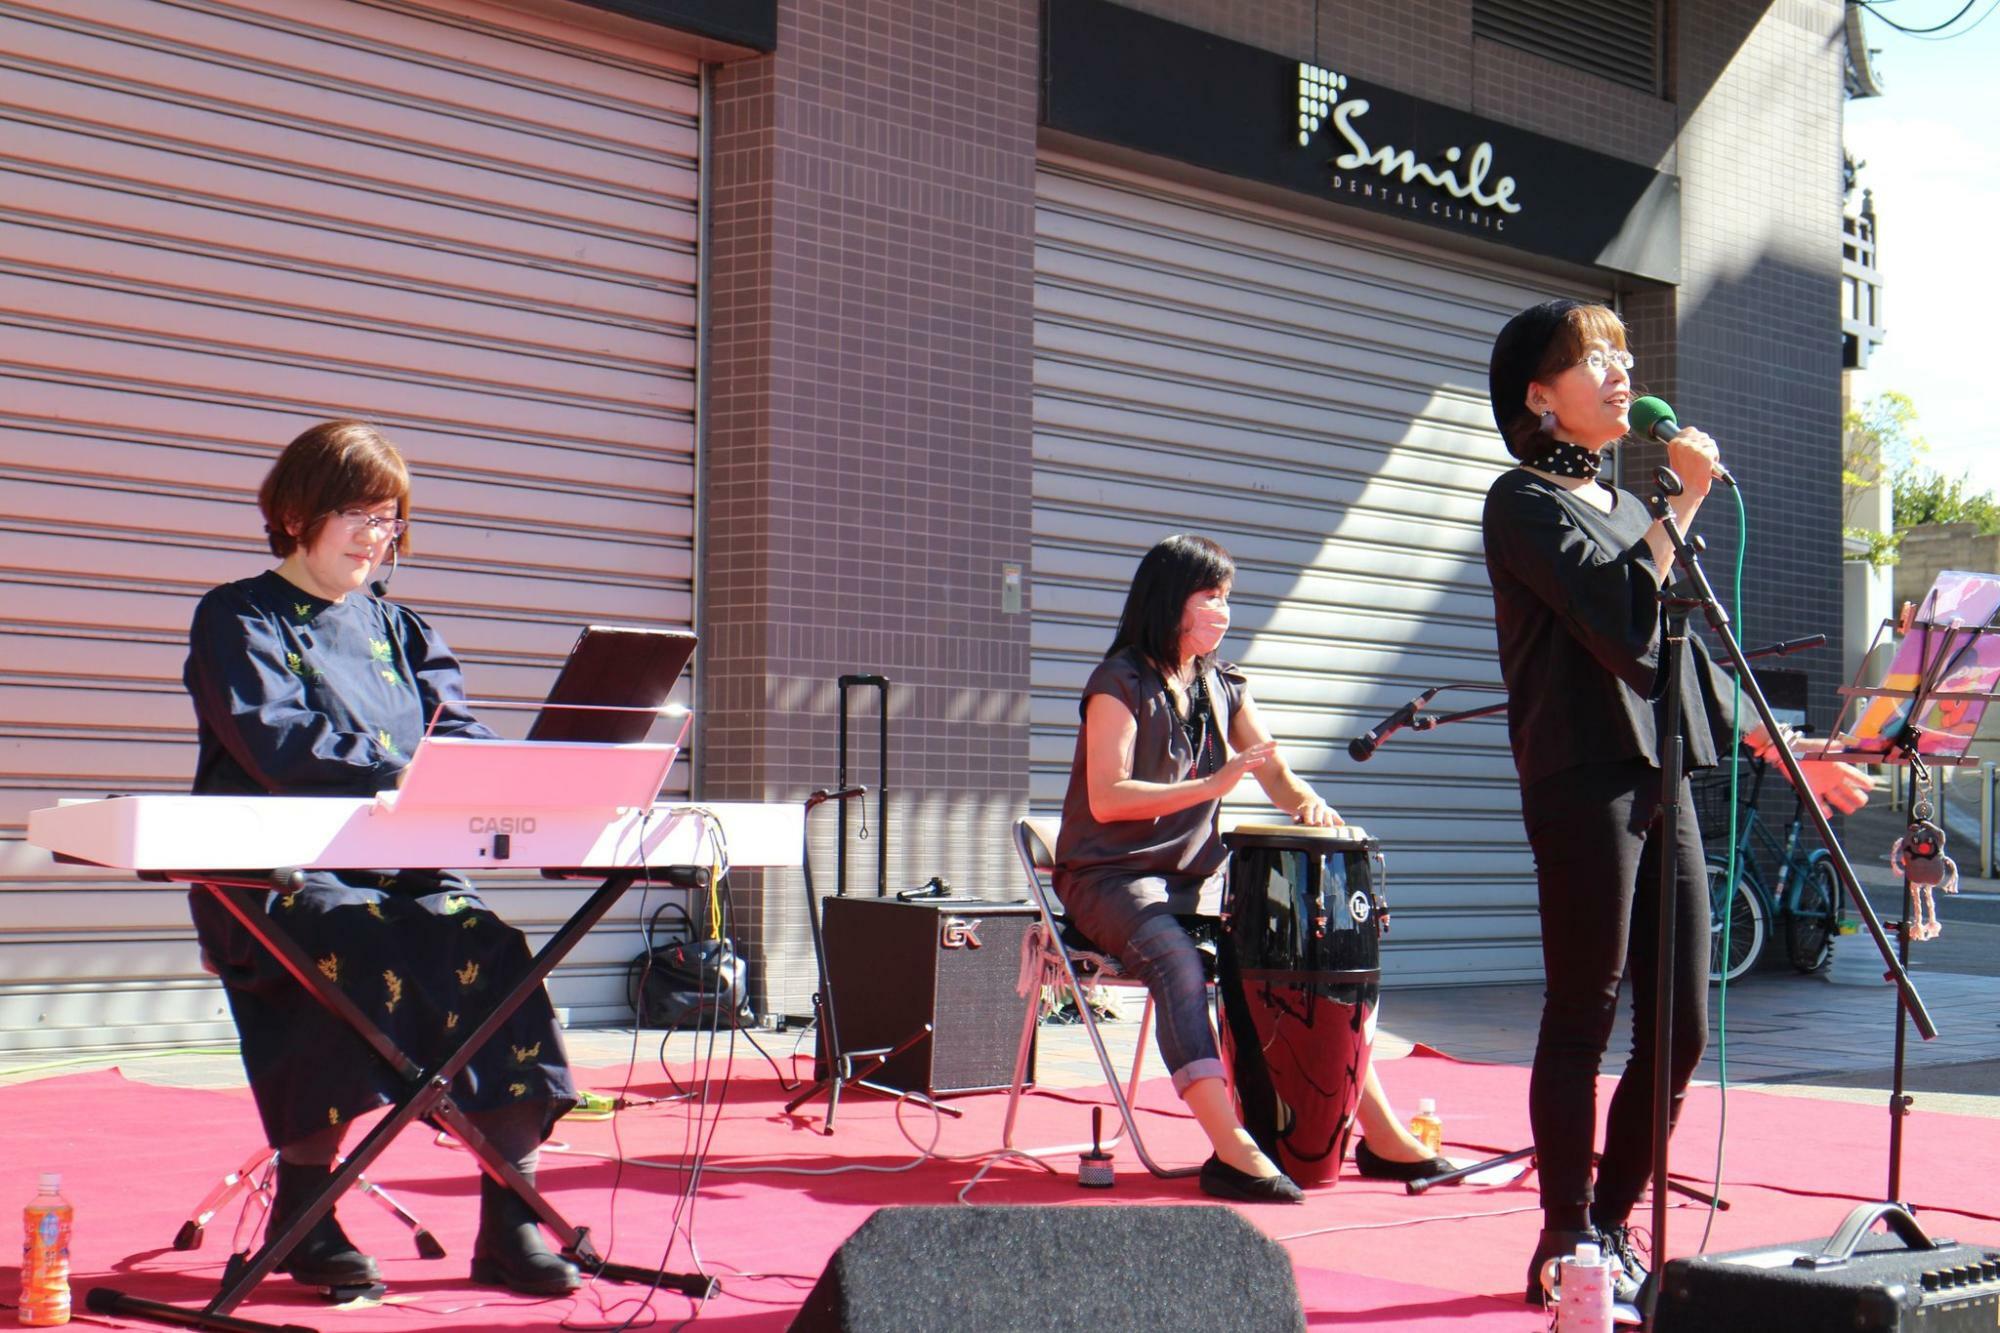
(1548, 422)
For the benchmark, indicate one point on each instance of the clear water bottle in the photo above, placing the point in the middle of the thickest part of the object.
(45, 1255)
(1425, 1126)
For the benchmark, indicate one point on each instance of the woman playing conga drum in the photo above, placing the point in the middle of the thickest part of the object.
(1167, 732)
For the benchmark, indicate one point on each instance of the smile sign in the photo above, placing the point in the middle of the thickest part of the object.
(1146, 84)
(1463, 176)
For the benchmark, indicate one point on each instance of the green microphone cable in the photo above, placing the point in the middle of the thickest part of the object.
(1729, 882)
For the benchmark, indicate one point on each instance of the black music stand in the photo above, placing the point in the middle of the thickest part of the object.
(843, 1067)
(1941, 649)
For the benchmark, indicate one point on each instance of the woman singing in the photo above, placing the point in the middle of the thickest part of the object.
(305, 685)
(1167, 732)
(1577, 567)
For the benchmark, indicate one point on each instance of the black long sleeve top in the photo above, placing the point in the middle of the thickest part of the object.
(1576, 608)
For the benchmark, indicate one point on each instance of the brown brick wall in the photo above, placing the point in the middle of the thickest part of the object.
(867, 467)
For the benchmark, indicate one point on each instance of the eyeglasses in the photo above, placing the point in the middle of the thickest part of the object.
(377, 526)
(1601, 361)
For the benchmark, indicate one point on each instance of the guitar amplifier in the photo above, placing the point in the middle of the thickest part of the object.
(952, 963)
(1853, 1282)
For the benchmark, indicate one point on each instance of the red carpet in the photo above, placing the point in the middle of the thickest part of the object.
(136, 1158)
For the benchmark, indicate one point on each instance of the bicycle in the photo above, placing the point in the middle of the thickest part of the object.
(1800, 898)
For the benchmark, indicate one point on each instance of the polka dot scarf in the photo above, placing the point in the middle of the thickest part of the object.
(1569, 460)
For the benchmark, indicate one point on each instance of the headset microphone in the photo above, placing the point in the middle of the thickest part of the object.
(1652, 417)
(380, 587)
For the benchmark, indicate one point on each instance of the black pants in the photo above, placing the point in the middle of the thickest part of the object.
(1597, 838)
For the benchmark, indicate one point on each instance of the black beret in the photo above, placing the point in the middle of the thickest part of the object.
(1517, 352)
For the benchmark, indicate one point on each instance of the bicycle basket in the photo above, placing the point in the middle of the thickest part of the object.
(1711, 801)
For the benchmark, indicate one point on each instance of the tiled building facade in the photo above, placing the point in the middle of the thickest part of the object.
(869, 463)
(813, 335)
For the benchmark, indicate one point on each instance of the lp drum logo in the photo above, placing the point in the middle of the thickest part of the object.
(958, 933)
(1357, 907)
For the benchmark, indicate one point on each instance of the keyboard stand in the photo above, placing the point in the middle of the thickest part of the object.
(427, 1096)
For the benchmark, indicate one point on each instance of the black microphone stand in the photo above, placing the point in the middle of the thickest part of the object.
(1676, 608)
(842, 1067)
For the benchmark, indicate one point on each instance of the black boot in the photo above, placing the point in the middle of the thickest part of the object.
(1554, 1243)
(510, 1251)
(325, 1257)
(1628, 1274)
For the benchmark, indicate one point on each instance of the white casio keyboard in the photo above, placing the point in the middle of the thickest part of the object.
(463, 805)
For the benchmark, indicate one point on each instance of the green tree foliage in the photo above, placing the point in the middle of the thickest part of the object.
(1924, 495)
(1881, 442)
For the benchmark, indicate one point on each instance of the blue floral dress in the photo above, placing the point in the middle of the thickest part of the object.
(298, 696)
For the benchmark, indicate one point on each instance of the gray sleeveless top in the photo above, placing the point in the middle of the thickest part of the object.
(1183, 846)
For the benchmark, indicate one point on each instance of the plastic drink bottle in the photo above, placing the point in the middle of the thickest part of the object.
(1425, 1126)
(45, 1255)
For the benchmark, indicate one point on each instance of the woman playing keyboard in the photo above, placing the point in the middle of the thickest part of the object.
(305, 684)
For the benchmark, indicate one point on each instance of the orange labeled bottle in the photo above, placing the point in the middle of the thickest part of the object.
(45, 1255)
(1425, 1126)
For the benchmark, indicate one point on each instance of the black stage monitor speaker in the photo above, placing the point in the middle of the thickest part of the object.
(1100, 1270)
(1853, 1282)
(894, 966)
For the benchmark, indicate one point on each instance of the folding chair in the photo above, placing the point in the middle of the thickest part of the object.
(1062, 958)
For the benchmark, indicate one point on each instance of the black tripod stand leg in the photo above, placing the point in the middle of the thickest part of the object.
(103, 1300)
(854, 1067)
(920, 1098)
(584, 1255)
(1715, 1201)
(1453, 1177)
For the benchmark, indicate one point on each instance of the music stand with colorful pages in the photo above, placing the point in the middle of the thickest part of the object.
(1925, 714)
(1944, 674)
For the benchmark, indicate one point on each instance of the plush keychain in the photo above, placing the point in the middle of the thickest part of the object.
(1918, 857)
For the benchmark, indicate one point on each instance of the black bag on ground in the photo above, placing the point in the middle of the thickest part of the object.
(681, 981)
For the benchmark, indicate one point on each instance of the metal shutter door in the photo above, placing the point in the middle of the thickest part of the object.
(1315, 400)
(223, 221)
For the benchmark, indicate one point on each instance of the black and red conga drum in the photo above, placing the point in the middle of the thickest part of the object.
(1301, 972)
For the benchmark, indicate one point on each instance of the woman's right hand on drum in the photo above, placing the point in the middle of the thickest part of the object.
(1246, 760)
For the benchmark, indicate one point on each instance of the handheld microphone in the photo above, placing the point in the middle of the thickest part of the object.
(1652, 417)
(1364, 745)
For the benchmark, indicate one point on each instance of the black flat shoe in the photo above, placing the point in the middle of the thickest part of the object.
(1373, 1166)
(1224, 1181)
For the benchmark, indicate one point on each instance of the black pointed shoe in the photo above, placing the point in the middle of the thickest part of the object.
(324, 1256)
(1223, 1181)
(509, 1250)
(1373, 1166)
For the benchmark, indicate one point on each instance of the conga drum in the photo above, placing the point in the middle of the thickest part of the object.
(1300, 961)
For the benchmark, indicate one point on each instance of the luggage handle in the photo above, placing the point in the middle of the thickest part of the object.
(1840, 1245)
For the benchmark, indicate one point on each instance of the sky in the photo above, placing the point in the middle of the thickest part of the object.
(1931, 143)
